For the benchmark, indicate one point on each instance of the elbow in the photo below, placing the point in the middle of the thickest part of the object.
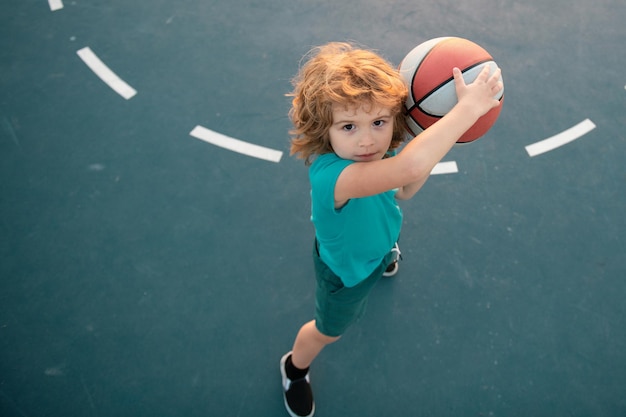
(418, 171)
(402, 195)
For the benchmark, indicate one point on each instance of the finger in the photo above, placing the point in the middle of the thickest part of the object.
(484, 73)
(496, 74)
(458, 77)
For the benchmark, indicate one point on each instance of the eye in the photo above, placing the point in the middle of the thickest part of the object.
(348, 127)
(379, 123)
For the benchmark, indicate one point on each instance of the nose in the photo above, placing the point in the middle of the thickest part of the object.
(366, 139)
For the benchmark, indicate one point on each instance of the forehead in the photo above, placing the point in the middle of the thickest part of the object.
(365, 110)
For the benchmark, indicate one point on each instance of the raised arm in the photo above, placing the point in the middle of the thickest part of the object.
(410, 169)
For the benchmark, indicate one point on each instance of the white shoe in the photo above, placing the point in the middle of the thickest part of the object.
(392, 268)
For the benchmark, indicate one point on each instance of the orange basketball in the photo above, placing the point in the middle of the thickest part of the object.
(427, 70)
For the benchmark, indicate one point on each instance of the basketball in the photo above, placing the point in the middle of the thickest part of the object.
(427, 70)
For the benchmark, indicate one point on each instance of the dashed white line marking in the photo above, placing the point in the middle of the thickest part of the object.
(105, 73)
(448, 167)
(560, 139)
(236, 145)
(55, 4)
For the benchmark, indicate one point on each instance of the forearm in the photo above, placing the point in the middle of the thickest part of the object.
(427, 149)
(408, 191)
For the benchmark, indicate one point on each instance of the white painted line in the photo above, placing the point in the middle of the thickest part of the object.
(55, 4)
(105, 74)
(560, 139)
(445, 168)
(236, 145)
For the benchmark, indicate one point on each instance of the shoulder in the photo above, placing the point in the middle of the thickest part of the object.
(323, 175)
(327, 165)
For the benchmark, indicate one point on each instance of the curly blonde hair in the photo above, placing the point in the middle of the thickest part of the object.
(341, 74)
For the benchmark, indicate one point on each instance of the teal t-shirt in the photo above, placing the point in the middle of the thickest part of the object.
(354, 239)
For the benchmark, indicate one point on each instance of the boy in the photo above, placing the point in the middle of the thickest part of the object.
(348, 122)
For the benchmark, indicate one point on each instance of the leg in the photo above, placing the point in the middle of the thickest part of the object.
(294, 368)
(309, 343)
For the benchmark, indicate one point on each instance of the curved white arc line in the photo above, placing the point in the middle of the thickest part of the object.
(560, 139)
(236, 145)
(448, 167)
(105, 73)
(55, 5)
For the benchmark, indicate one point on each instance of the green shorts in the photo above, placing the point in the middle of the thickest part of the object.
(336, 306)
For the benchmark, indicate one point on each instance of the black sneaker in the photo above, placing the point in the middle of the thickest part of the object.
(297, 393)
(392, 268)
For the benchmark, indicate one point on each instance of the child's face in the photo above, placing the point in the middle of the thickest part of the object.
(361, 134)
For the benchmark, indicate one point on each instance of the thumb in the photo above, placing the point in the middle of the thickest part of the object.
(458, 77)
(459, 82)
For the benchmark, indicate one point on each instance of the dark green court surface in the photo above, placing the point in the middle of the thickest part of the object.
(145, 272)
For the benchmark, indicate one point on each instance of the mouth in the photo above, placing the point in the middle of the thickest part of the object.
(367, 155)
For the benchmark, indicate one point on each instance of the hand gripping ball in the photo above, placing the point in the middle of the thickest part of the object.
(427, 69)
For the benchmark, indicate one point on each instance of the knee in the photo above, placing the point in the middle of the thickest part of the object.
(329, 339)
(321, 337)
